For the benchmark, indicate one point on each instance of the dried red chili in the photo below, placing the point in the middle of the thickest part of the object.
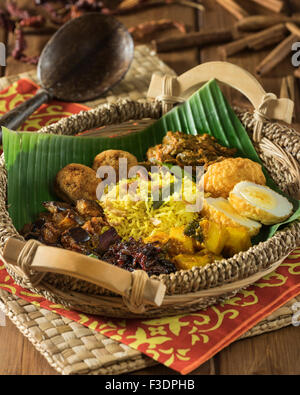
(16, 12)
(33, 21)
(13, 19)
(29, 59)
(20, 44)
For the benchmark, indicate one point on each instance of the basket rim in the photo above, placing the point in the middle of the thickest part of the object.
(240, 266)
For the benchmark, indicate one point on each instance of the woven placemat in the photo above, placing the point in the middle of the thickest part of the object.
(72, 348)
(69, 347)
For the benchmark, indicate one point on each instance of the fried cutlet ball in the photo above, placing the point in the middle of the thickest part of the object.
(221, 177)
(111, 158)
(75, 182)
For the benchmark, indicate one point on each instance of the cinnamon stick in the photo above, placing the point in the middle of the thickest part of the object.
(276, 56)
(273, 5)
(297, 73)
(272, 35)
(146, 29)
(233, 47)
(47, 30)
(195, 39)
(232, 7)
(287, 89)
(294, 29)
(191, 4)
(129, 6)
(259, 22)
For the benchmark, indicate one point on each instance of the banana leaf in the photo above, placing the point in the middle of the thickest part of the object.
(33, 159)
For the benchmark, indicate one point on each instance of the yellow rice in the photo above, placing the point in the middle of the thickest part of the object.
(137, 218)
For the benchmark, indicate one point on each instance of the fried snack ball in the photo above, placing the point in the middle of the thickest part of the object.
(111, 158)
(221, 177)
(75, 182)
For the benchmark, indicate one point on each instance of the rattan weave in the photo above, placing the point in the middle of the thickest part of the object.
(185, 284)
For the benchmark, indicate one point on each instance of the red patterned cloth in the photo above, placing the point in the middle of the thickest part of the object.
(185, 341)
(49, 113)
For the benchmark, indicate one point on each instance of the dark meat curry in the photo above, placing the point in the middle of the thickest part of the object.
(187, 150)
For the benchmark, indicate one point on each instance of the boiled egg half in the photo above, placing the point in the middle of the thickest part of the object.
(221, 211)
(259, 203)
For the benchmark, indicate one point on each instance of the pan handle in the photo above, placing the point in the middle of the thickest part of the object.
(15, 117)
(34, 260)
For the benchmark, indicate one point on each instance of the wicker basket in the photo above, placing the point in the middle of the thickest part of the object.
(95, 287)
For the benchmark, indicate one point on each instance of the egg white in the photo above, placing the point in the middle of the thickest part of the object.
(220, 210)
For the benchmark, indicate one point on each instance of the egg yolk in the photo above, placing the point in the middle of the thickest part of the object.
(259, 197)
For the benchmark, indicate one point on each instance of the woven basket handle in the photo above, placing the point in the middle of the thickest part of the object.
(171, 90)
(35, 260)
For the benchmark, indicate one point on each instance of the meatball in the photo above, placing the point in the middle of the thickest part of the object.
(111, 158)
(75, 182)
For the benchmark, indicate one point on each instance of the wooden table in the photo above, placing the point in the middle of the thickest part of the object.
(273, 353)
